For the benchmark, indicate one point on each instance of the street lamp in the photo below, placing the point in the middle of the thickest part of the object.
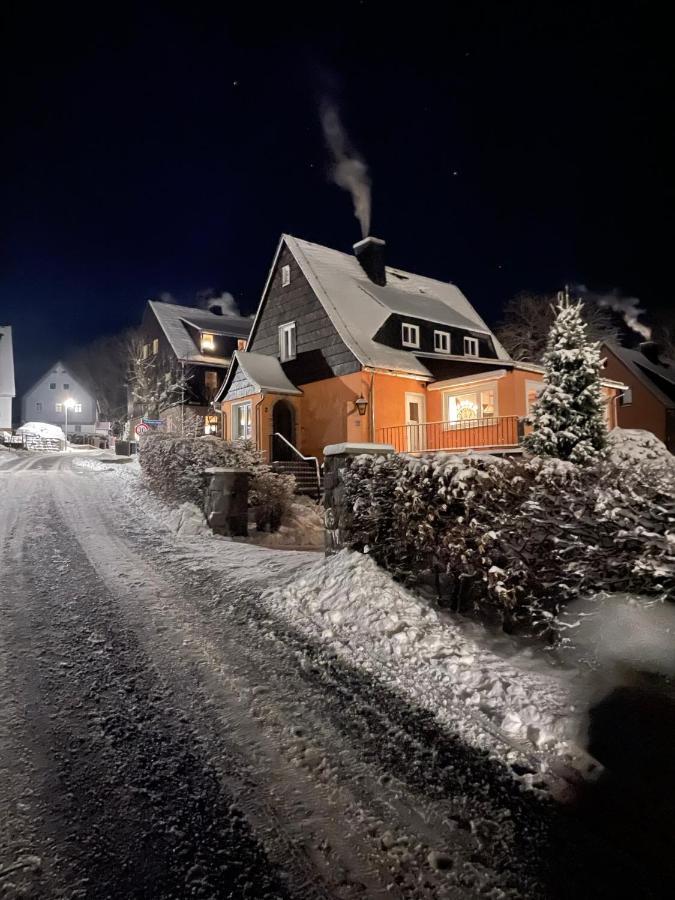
(68, 404)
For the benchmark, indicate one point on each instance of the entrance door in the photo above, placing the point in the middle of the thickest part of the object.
(415, 417)
(282, 420)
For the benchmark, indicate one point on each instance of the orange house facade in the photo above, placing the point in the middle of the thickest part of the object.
(346, 349)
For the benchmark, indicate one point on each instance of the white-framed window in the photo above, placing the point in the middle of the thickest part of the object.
(208, 342)
(66, 387)
(532, 391)
(285, 276)
(58, 407)
(287, 341)
(442, 341)
(77, 407)
(52, 386)
(470, 346)
(241, 421)
(462, 407)
(155, 346)
(410, 335)
(146, 351)
(626, 398)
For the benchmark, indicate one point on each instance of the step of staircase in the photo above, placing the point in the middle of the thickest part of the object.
(304, 474)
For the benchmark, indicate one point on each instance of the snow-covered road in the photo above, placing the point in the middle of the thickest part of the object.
(163, 735)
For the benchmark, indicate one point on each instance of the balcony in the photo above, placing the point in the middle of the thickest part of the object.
(494, 433)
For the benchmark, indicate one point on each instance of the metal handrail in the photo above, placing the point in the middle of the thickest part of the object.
(295, 450)
(420, 437)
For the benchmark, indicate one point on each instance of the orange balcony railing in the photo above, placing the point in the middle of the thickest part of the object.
(470, 434)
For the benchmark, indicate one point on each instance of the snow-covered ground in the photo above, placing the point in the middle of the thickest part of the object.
(511, 701)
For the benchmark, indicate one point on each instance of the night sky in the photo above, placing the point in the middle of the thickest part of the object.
(150, 149)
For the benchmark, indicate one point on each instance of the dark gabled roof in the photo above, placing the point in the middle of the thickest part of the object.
(262, 371)
(358, 308)
(659, 378)
(173, 319)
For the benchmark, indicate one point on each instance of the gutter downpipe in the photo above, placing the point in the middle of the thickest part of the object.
(258, 424)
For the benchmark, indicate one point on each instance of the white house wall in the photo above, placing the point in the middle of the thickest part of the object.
(5, 413)
(39, 404)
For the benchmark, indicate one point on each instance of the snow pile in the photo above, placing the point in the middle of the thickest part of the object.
(627, 446)
(187, 520)
(362, 614)
(42, 430)
(302, 526)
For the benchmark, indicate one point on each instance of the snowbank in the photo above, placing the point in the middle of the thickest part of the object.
(363, 615)
(630, 445)
(302, 527)
(43, 430)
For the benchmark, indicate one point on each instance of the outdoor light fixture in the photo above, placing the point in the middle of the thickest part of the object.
(361, 405)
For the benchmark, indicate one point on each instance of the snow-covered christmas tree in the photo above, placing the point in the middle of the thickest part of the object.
(568, 417)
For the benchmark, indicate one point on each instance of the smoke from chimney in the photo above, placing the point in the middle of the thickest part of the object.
(628, 307)
(348, 171)
(221, 304)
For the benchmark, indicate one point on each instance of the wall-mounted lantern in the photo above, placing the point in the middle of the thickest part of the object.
(361, 405)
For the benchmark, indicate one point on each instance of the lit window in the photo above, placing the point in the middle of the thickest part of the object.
(532, 391)
(410, 335)
(241, 344)
(470, 346)
(468, 406)
(626, 398)
(77, 407)
(66, 387)
(441, 341)
(146, 351)
(155, 346)
(208, 341)
(52, 386)
(59, 407)
(38, 406)
(241, 421)
(287, 341)
(285, 276)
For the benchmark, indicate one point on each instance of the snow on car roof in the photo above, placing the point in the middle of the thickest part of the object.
(358, 308)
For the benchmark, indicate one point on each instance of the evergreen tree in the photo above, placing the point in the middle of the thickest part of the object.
(568, 417)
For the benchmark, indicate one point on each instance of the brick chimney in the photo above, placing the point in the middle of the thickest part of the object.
(370, 253)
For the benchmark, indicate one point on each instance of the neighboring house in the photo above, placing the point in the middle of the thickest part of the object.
(649, 401)
(193, 347)
(344, 348)
(7, 390)
(46, 402)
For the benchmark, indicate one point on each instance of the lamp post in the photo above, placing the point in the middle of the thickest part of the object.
(68, 404)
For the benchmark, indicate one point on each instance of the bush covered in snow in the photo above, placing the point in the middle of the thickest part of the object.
(173, 467)
(515, 540)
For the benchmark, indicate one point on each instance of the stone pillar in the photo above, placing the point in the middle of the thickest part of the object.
(338, 458)
(226, 501)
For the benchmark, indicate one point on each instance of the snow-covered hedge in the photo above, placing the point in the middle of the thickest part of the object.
(173, 468)
(515, 540)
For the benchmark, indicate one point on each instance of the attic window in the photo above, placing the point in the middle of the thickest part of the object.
(52, 386)
(470, 346)
(66, 386)
(442, 341)
(207, 342)
(410, 335)
(285, 276)
(626, 398)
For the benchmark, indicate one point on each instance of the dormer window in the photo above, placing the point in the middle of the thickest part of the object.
(287, 342)
(410, 335)
(470, 346)
(285, 276)
(241, 344)
(442, 341)
(208, 341)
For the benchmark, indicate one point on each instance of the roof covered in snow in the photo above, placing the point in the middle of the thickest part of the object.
(7, 388)
(659, 377)
(264, 372)
(358, 308)
(174, 320)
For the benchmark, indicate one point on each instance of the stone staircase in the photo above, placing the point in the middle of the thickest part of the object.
(304, 472)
